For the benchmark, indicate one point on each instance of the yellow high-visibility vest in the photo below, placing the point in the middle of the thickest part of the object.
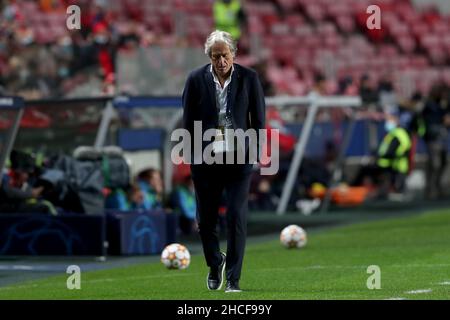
(401, 162)
(226, 17)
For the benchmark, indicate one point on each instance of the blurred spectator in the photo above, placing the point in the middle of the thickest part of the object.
(33, 31)
(320, 85)
(151, 184)
(17, 195)
(391, 168)
(412, 120)
(65, 54)
(104, 49)
(24, 34)
(261, 68)
(387, 96)
(393, 153)
(366, 91)
(138, 199)
(183, 202)
(347, 87)
(330, 155)
(129, 39)
(117, 199)
(129, 199)
(436, 119)
(261, 195)
(229, 16)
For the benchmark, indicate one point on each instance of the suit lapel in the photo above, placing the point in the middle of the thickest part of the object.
(232, 90)
(210, 87)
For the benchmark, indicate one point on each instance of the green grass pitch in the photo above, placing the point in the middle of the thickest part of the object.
(413, 254)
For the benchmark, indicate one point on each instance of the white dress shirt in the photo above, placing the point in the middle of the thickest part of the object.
(221, 95)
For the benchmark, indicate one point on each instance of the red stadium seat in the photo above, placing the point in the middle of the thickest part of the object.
(302, 37)
(295, 20)
(280, 28)
(288, 5)
(345, 23)
(406, 43)
(315, 11)
(437, 55)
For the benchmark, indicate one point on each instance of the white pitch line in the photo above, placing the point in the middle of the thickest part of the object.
(19, 287)
(444, 283)
(22, 267)
(396, 298)
(419, 291)
(353, 267)
(17, 267)
(105, 280)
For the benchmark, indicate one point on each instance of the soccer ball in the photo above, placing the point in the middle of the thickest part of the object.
(176, 256)
(293, 236)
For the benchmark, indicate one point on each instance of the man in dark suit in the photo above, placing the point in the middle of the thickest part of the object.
(223, 95)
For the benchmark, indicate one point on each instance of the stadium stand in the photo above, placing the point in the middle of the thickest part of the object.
(288, 34)
(297, 47)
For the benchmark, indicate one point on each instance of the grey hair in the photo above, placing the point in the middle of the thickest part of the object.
(220, 36)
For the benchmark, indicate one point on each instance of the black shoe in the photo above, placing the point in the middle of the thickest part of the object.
(232, 286)
(214, 280)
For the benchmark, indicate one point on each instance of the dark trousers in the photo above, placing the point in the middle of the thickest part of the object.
(437, 161)
(210, 182)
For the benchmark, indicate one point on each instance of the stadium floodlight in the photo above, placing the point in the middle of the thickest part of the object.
(314, 102)
(14, 105)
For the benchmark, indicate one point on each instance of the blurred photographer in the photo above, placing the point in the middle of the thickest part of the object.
(17, 195)
(436, 119)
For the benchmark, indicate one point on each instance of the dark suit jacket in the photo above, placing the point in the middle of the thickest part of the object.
(245, 101)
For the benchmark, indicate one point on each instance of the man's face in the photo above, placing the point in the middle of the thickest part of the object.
(156, 182)
(221, 59)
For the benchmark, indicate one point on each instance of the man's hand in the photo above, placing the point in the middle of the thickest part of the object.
(36, 192)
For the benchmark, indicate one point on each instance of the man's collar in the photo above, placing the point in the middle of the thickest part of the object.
(215, 76)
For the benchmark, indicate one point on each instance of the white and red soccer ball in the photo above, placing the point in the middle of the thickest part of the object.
(293, 236)
(176, 256)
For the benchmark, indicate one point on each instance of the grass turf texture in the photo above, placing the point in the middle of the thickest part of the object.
(413, 253)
